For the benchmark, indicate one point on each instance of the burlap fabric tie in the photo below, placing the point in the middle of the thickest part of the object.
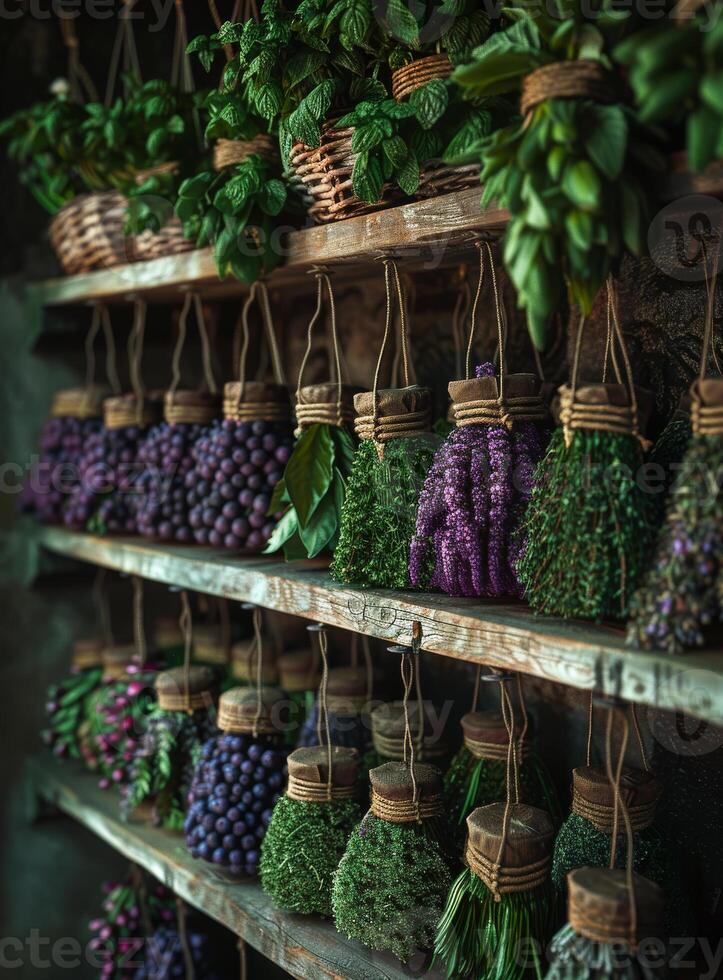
(322, 774)
(326, 403)
(393, 413)
(486, 736)
(116, 659)
(298, 671)
(404, 794)
(492, 401)
(122, 411)
(706, 407)
(509, 847)
(593, 797)
(87, 653)
(599, 906)
(251, 401)
(79, 403)
(189, 690)
(389, 731)
(581, 79)
(244, 710)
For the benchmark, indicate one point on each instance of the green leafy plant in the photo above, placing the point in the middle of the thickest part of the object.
(454, 27)
(382, 153)
(312, 489)
(675, 74)
(233, 211)
(573, 173)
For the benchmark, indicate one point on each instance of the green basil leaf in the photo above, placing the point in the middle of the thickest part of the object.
(581, 185)
(367, 178)
(322, 526)
(429, 103)
(285, 529)
(607, 143)
(308, 472)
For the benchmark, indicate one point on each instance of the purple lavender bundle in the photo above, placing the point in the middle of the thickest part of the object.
(467, 541)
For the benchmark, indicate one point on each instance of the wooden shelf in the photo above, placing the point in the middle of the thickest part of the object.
(306, 947)
(582, 655)
(426, 234)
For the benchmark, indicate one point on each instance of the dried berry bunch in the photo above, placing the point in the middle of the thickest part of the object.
(236, 784)
(165, 956)
(67, 708)
(63, 442)
(471, 507)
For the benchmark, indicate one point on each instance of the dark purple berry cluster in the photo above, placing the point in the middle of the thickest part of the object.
(103, 500)
(238, 464)
(63, 442)
(164, 956)
(235, 786)
(165, 460)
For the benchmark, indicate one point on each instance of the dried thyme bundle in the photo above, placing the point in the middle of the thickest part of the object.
(589, 523)
(391, 883)
(311, 823)
(389, 468)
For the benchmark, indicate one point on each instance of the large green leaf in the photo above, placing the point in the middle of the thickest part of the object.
(309, 470)
(608, 139)
(367, 178)
(344, 446)
(581, 185)
(429, 103)
(321, 528)
(284, 530)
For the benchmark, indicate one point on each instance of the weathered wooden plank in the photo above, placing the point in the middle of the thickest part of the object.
(425, 232)
(582, 655)
(306, 947)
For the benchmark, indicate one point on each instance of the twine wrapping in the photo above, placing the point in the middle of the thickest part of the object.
(505, 880)
(582, 79)
(177, 690)
(419, 72)
(79, 403)
(598, 905)
(307, 791)
(602, 817)
(125, 410)
(492, 408)
(87, 653)
(227, 153)
(392, 747)
(238, 711)
(494, 751)
(706, 412)
(406, 811)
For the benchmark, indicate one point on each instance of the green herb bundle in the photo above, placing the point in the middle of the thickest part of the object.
(175, 729)
(674, 72)
(573, 171)
(477, 774)
(582, 949)
(390, 885)
(490, 919)
(309, 829)
(68, 702)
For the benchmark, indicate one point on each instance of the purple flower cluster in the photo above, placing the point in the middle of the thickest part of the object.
(467, 541)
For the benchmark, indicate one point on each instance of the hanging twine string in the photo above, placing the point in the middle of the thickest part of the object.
(138, 622)
(503, 409)
(706, 408)
(111, 369)
(497, 751)
(238, 405)
(181, 913)
(125, 46)
(90, 338)
(100, 598)
(459, 315)
(636, 729)
(185, 700)
(181, 73)
(138, 881)
(381, 427)
(621, 810)
(136, 340)
(259, 640)
(82, 88)
(590, 712)
(201, 410)
(339, 412)
(243, 964)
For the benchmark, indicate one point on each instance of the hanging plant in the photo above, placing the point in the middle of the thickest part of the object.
(673, 69)
(175, 729)
(599, 942)
(680, 598)
(589, 523)
(394, 455)
(477, 775)
(388, 724)
(67, 702)
(75, 415)
(320, 807)
(348, 696)
(390, 884)
(239, 461)
(177, 952)
(574, 171)
(468, 539)
(131, 910)
(239, 777)
(165, 458)
(312, 488)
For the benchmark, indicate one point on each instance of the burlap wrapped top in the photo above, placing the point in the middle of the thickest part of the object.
(190, 406)
(243, 663)
(179, 689)
(87, 653)
(512, 859)
(402, 796)
(486, 736)
(167, 632)
(593, 796)
(400, 413)
(346, 692)
(599, 906)
(604, 407)
(388, 731)
(477, 401)
(706, 407)
(298, 671)
(309, 774)
(122, 411)
(246, 710)
(115, 660)
(250, 401)
(79, 403)
(209, 646)
(325, 403)
(584, 78)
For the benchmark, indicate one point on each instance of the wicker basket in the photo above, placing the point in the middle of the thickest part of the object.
(87, 233)
(436, 177)
(409, 78)
(227, 153)
(169, 240)
(322, 178)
